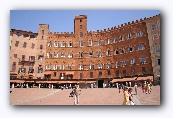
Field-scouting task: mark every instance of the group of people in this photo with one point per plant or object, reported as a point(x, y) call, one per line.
point(76, 93)
point(128, 96)
point(147, 87)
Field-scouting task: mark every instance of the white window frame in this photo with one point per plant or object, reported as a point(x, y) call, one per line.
point(63, 44)
point(122, 38)
point(139, 34)
point(108, 53)
point(100, 66)
point(115, 40)
point(141, 47)
point(129, 49)
point(92, 54)
point(81, 53)
point(99, 53)
point(99, 42)
point(49, 44)
point(69, 67)
point(70, 55)
point(62, 67)
point(155, 35)
point(70, 43)
point(90, 43)
point(48, 67)
point(91, 66)
point(115, 52)
point(63, 54)
point(48, 54)
point(129, 36)
point(55, 54)
point(143, 60)
point(62, 75)
point(132, 61)
point(81, 67)
point(124, 63)
point(55, 44)
point(157, 47)
point(55, 67)
point(107, 41)
point(109, 65)
point(81, 43)
point(117, 64)
point(155, 27)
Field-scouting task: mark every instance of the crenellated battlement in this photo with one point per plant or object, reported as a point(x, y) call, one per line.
point(24, 33)
point(151, 18)
point(62, 34)
point(119, 27)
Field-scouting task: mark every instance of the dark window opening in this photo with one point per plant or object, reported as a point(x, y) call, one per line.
point(14, 66)
point(80, 75)
point(25, 35)
point(31, 70)
point(116, 52)
point(124, 72)
point(33, 45)
point(42, 32)
point(40, 69)
point(54, 74)
point(41, 47)
point(81, 35)
point(15, 55)
point(17, 43)
point(133, 71)
point(24, 44)
point(32, 58)
point(80, 26)
point(143, 70)
point(117, 73)
point(154, 27)
point(18, 34)
point(23, 57)
point(100, 73)
point(158, 61)
point(91, 74)
point(32, 36)
point(80, 20)
point(109, 72)
point(130, 49)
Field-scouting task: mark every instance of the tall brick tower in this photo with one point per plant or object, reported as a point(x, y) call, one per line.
point(80, 26)
point(43, 32)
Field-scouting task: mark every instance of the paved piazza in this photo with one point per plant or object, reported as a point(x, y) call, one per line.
point(96, 96)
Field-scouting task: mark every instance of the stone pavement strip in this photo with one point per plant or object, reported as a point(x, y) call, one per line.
point(96, 96)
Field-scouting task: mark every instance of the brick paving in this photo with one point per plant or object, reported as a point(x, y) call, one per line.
point(96, 96)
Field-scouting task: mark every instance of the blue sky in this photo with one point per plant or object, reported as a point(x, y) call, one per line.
point(63, 20)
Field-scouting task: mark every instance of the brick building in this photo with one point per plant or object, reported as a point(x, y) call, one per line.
point(117, 54)
point(153, 30)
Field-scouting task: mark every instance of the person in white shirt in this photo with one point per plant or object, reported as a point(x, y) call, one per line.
point(136, 88)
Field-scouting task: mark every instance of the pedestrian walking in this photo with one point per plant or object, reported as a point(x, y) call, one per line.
point(148, 88)
point(136, 88)
point(122, 86)
point(77, 92)
point(126, 97)
point(143, 87)
point(130, 90)
point(119, 87)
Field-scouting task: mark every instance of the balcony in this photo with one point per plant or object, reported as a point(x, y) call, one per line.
point(26, 60)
